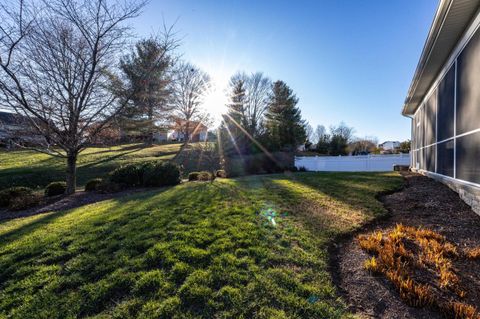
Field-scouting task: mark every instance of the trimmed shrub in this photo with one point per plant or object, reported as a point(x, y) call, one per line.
point(7, 195)
point(221, 173)
point(193, 176)
point(25, 201)
point(129, 175)
point(205, 176)
point(92, 185)
point(200, 176)
point(109, 187)
point(55, 188)
point(161, 174)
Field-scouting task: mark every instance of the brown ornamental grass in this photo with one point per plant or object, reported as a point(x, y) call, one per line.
point(420, 264)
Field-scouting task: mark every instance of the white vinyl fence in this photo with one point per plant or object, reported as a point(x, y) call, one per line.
point(361, 163)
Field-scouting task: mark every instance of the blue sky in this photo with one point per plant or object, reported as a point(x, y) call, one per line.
point(347, 60)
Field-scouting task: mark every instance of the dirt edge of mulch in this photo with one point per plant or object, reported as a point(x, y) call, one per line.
point(369, 296)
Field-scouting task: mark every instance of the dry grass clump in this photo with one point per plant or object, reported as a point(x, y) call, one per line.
point(419, 262)
point(472, 253)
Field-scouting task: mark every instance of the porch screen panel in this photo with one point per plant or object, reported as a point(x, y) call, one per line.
point(430, 119)
point(468, 157)
point(419, 128)
point(416, 131)
point(421, 158)
point(445, 158)
point(468, 86)
point(430, 158)
point(446, 105)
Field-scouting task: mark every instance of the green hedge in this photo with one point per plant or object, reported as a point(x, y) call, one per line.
point(147, 174)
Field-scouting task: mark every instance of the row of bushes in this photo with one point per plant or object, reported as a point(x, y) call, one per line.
point(17, 198)
point(152, 174)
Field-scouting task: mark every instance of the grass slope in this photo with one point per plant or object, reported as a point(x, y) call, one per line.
point(30, 168)
point(198, 250)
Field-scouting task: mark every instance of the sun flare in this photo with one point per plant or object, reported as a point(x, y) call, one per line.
point(216, 99)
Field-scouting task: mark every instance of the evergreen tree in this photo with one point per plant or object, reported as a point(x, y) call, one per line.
point(233, 138)
point(146, 70)
point(285, 129)
point(340, 136)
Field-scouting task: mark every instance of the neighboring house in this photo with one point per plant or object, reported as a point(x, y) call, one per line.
point(389, 145)
point(196, 132)
point(16, 128)
point(444, 100)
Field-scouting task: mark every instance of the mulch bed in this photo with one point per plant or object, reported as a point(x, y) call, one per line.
point(59, 203)
point(423, 202)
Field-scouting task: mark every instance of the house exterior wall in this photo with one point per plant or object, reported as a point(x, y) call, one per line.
point(174, 135)
point(390, 145)
point(446, 126)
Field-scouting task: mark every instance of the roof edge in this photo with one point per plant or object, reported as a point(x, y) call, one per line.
point(435, 28)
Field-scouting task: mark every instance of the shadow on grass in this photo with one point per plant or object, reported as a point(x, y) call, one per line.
point(50, 217)
point(327, 203)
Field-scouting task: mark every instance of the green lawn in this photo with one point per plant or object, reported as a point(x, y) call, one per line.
point(197, 250)
point(30, 168)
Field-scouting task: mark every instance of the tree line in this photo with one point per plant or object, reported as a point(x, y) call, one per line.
point(262, 115)
point(63, 66)
point(67, 66)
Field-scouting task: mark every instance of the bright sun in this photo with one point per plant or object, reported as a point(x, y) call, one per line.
point(216, 100)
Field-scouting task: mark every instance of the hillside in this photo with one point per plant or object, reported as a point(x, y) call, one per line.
point(197, 250)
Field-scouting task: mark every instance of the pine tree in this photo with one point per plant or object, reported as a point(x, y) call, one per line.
point(146, 70)
point(285, 129)
point(233, 139)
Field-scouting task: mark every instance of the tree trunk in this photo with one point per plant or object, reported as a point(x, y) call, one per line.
point(187, 132)
point(71, 172)
point(151, 126)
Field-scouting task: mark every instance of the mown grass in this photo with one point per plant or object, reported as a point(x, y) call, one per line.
point(33, 169)
point(197, 250)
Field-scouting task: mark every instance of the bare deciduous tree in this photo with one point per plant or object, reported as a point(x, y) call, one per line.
point(309, 132)
point(190, 87)
point(257, 90)
point(57, 66)
point(319, 133)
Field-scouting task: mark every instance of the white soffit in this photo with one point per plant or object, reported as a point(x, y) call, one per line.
point(450, 23)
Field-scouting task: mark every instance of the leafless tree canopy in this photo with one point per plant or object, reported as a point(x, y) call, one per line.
point(190, 87)
point(257, 90)
point(57, 67)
